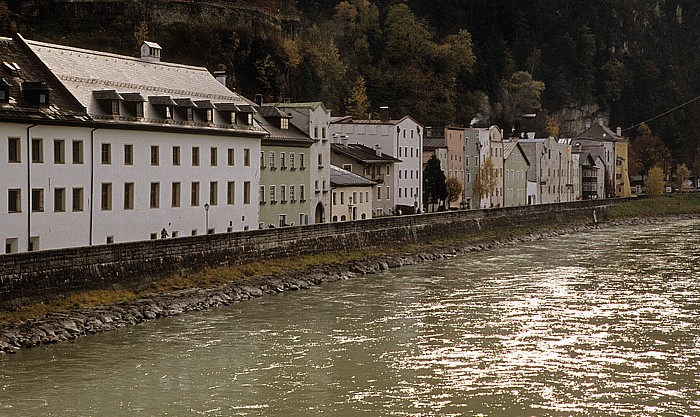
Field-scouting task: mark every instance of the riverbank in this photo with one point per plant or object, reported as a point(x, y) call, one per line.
point(89, 313)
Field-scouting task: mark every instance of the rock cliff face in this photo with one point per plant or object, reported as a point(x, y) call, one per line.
point(573, 118)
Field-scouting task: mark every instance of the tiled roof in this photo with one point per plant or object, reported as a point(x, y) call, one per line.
point(350, 120)
point(83, 71)
point(434, 142)
point(362, 153)
point(291, 136)
point(600, 133)
point(30, 73)
point(274, 112)
point(341, 177)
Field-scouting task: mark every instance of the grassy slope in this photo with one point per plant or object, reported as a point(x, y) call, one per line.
point(671, 205)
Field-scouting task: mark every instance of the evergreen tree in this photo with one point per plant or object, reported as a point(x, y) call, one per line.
point(434, 187)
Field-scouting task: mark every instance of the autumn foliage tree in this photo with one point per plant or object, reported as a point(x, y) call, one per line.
point(647, 151)
point(454, 190)
point(486, 179)
point(655, 182)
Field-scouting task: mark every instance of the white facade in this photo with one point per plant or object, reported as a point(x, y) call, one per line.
point(155, 150)
point(401, 139)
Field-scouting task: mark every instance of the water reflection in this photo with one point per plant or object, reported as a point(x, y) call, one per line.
point(601, 323)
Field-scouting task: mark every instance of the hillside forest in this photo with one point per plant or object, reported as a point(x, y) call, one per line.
point(444, 62)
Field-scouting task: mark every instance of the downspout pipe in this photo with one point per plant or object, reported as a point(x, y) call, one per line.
point(92, 180)
point(29, 188)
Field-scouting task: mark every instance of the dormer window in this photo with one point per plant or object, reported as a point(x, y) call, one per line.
point(163, 105)
point(4, 91)
point(247, 114)
point(133, 102)
point(108, 101)
point(37, 92)
point(229, 112)
point(204, 111)
point(185, 109)
point(284, 123)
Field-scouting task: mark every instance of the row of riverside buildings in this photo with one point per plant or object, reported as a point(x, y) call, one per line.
point(102, 148)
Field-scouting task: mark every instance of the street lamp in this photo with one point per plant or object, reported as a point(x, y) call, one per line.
point(206, 218)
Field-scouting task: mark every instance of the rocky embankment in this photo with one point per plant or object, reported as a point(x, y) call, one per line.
point(59, 327)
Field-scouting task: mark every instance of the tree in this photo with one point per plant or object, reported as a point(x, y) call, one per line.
point(454, 189)
point(680, 176)
point(486, 178)
point(655, 182)
point(646, 151)
point(520, 95)
point(357, 103)
point(434, 188)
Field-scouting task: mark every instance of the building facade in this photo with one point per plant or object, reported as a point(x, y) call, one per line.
point(351, 196)
point(399, 138)
point(123, 149)
point(515, 165)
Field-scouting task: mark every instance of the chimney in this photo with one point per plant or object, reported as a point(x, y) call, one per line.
point(531, 135)
point(220, 76)
point(619, 131)
point(150, 51)
point(344, 140)
point(259, 99)
point(600, 121)
point(378, 149)
point(588, 124)
point(384, 113)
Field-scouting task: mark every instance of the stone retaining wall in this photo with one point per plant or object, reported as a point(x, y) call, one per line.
point(43, 275)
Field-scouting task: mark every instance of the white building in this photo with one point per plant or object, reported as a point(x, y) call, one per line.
point(401, 139)
point(351, 195)
point(152, 148)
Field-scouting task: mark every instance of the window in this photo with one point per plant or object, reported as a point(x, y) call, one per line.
point(213, 157)
point(342, 197)
point(128, 154)
point(59, 151)
point(155, 155)
point(335, 198)
point(316, 186)
point(292, 197)
point(231, 192)
point(283, 193)
point(14, 150)
point(38, 199)
point(302, 192)
point(175, 195)
point(37, 151)
point(77, 151)
point(347, 167)
point(77, 199)
point(194, 194)
point(246, 157)
point(261, 195)
point(155, 195)
point(283, 160)
point(129, 196)
point(246, 192)
point(176, 156)
point(284, 123)
point(316, 132)
point(273, 194)
point(213, 193)
point(379, 193)
point(262, 159)
point(231, 157)
point(291, 160)
point(283, 220)
point(106, 154)
point(320, 160)
point(323, 132)
point(301, 161)
point(195, 156)
point(325, 190)
point(14, 201)
point(399, 174)
point(106, 196)
point(272, 160)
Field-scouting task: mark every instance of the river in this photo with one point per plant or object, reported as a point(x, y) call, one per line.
point(605, 322)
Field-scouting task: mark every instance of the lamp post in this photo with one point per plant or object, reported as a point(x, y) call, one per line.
point(206, 218)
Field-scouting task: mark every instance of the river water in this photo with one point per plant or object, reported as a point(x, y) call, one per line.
point(600, 323)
